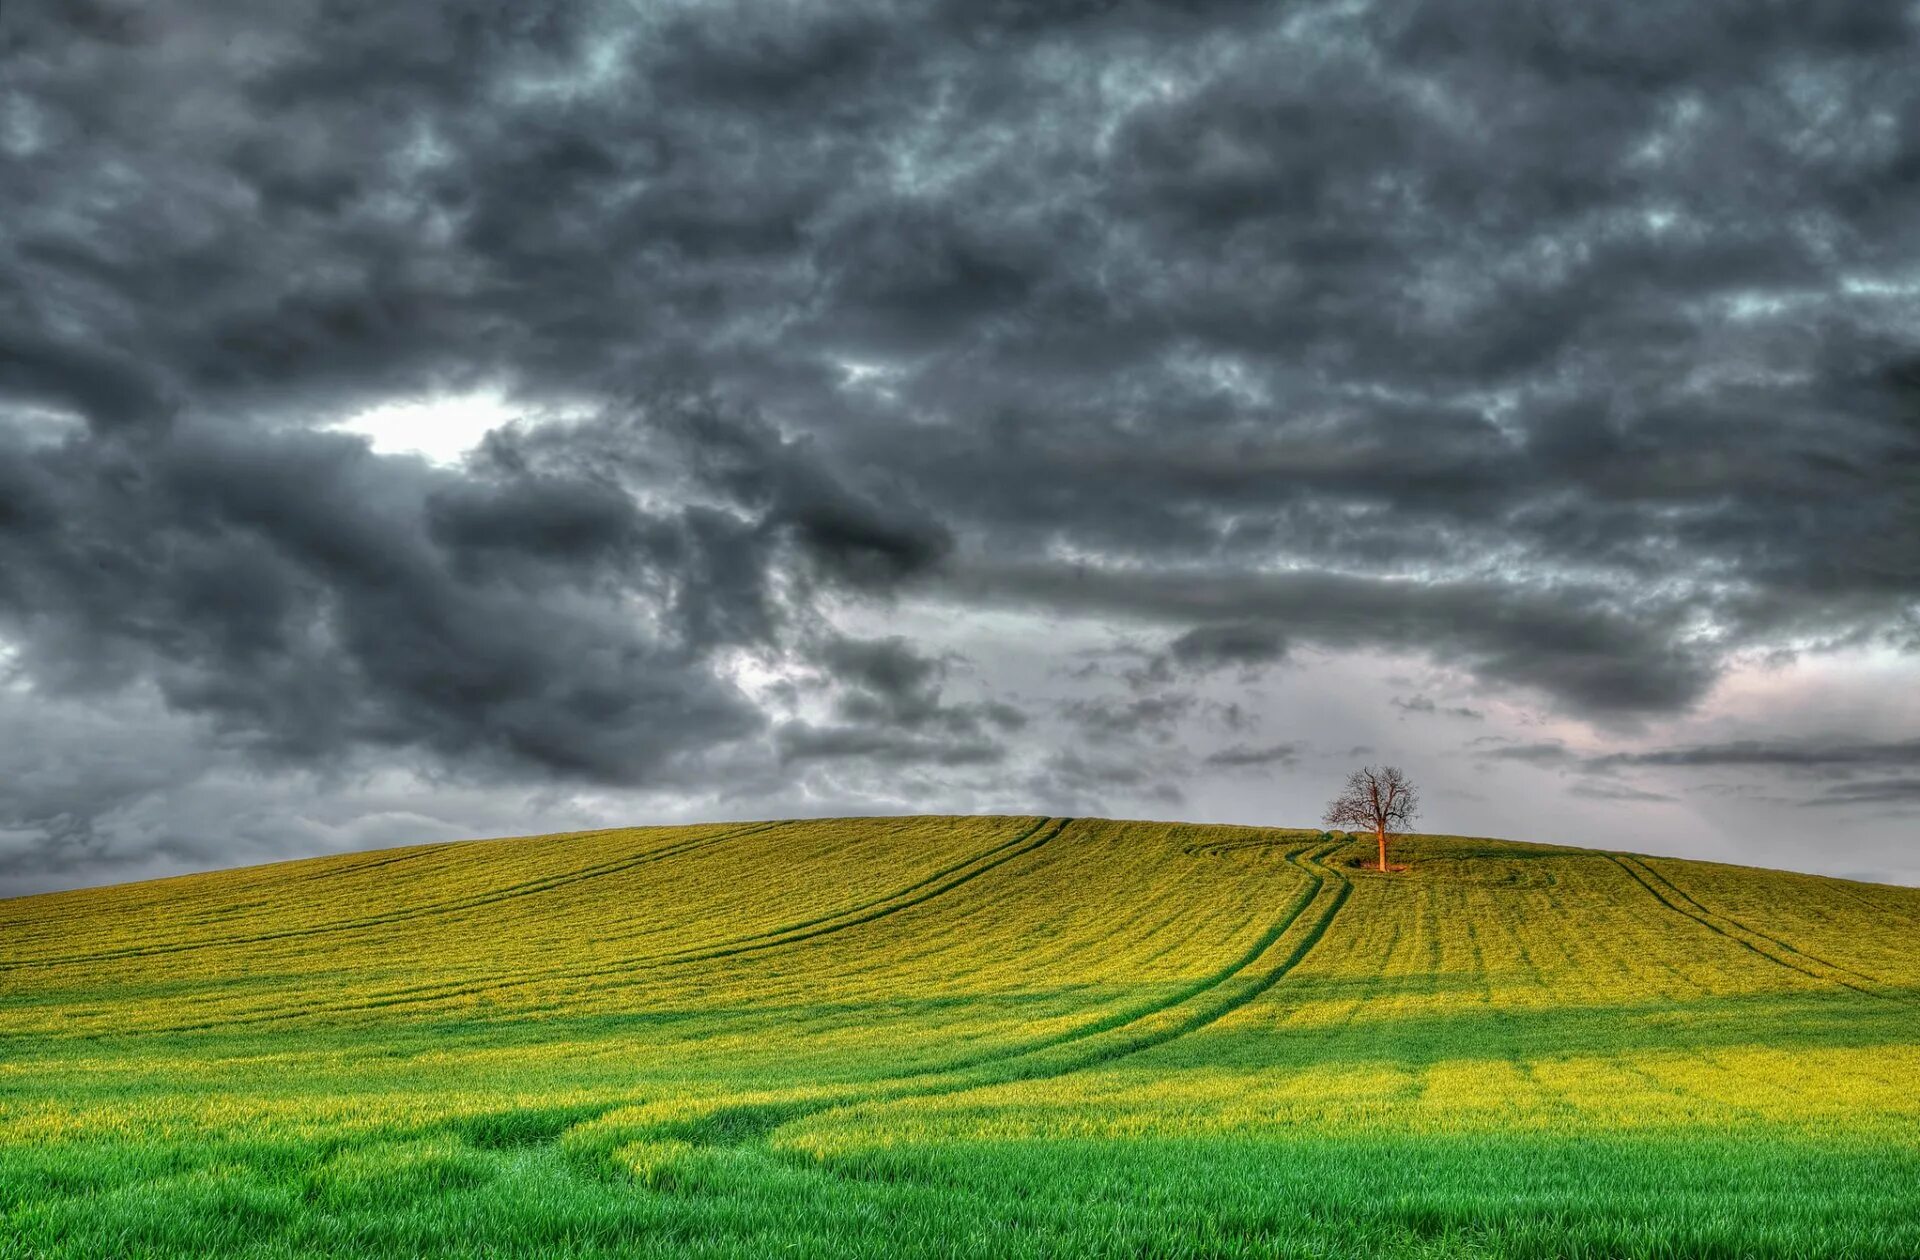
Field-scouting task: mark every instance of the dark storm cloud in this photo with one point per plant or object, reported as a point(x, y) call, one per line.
point(1591, 648)
point(1540, 753)
point(1106, 720)
point(1839, 756)
point(1572, 349)
point(1078, 783)
point(1895, 792)
point(1802, 759)
point(889, 708)
point(310, 596)
point(1604, 776)
point(1831, 756)
point(1218, 646)
point(1245, 756)
point(800, 742)
point(1426, 704)
point(1615, 792)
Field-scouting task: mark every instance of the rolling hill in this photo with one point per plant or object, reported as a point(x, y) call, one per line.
point(1016, 1036)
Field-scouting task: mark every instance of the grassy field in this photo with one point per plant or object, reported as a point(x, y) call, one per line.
point(960, 1036)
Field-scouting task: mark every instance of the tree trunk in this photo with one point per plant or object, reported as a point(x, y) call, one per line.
point(1382, 833)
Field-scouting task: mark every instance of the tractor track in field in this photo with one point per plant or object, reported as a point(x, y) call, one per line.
point(972, 868)
point(1304, 923)
point(1880, 910)
point(1118, 1022)
point(1677, 900)
point(733, 1123)
point(965, 871)
point(1705, 909)
point(413, 852)
point(1135, 1014)
point(1214, 1012)
point(879, 907)
point(961, 873)
point(1221, 848)
point(936, 876)
point(203, 915)
point(453, 906)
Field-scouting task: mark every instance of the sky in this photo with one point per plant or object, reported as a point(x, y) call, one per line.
point(426, 421)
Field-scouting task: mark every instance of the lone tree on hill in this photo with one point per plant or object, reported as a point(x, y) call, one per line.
point(1380, 800)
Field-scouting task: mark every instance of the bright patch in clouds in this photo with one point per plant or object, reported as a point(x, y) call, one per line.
point(43, 426)
point(441, 428)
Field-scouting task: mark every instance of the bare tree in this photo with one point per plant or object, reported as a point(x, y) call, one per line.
point(1380, 800)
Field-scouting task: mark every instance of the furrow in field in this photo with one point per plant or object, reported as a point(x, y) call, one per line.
point(900, 899)
point(452, 906)
point(1097, 944)
point(1723, 917)
point(1881, 910)
point(1204, 1003)
point(1069, 945)
point(722, 903)
point(1136, 1013)
point(1139, 1027)
point(1335, 886)
point(904, 899)
point(1200, 1005)
point(894, 895)
point(934, 886)
point(918, 893)
point(1765, 946)
point(224, 900)
point(412, 853)
point(328, 876)
point(418, 995)
point(1029, 841)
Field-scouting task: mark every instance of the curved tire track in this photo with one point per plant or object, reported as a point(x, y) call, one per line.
point(970, 872)
point(1034, 1062)
point(1320, 879)
point(1710, 912)
point(405, 914)
point(1773, 950)
point(423, 994)
point(427, 993)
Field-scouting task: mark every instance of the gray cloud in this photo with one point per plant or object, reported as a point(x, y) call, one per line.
point(1803, 759)
point(1574, 644)
point(1106, 720)
point(1538, 753)
point(801, 742)
point(890, 709)
point(1218, 646)
point(1081, 782)
point(1426, 704)
point(1573, 355)
point(309, 596)
point(1896, 792)
point(1247, 756)
point(1615, 792)
point(1804, 754)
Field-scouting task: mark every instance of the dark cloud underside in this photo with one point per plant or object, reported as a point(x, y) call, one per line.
point(1570, 348)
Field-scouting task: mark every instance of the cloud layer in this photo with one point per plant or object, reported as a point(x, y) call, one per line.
point(872, 358)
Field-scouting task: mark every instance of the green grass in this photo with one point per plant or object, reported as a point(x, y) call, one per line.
point(959, 1036)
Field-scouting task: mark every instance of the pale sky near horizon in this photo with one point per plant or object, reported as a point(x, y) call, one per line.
point(468, 420)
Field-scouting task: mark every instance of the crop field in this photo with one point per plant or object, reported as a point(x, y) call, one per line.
point(963, 1036)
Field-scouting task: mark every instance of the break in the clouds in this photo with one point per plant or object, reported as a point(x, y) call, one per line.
point(475, 417)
